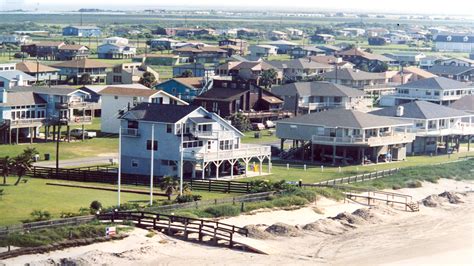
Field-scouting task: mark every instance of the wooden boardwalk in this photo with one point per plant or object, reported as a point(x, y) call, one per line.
point(387, 197)
point(189, 229)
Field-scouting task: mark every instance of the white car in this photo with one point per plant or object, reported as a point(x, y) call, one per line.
point(78, 133)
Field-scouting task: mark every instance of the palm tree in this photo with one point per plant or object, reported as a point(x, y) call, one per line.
point(6, 167)
point(267, 77)
point(148, 79)
point(23, 163)
point(168, 185)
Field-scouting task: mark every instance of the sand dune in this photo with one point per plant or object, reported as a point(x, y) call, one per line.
point(386, 236)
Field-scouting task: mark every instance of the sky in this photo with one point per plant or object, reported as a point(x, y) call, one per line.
point(439, 7)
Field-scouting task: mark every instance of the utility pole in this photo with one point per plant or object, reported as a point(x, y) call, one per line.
point(57, 146)
point(119, 183)
point(181, 160)
point(152, 162)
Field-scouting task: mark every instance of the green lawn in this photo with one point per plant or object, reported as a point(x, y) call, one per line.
point(265, 137)
point(314, 174)
point(19, 201)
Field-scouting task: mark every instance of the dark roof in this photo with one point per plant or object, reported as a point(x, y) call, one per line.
point(466, 103)
point(361, 53)
point(53, 90)
point(201, 120)
point(421, 110)
point(345, 119)
point(18, 98)
point(300, 63)
point(437, 83)
point(164, 113)
point(449, 70)
point(353, 74)
point(316, 88)
point(455, 37)
point(222, 94)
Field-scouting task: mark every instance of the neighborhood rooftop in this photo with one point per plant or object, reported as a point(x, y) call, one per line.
point(421, 110)
point(162, 113)
point(436, 83)
point(318, 88)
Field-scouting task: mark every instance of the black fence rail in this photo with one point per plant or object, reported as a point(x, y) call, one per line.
point(205, 203)
point(18, 228)
point(219, 185)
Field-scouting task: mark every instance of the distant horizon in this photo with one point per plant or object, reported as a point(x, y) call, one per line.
point(455, 8)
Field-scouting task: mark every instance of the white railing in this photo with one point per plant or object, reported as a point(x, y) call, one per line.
point(221, 134)
point(29, 121)
point(385, 139)
point(244, 151)
point(463, 128)
point(312, 106)
point(130, 132)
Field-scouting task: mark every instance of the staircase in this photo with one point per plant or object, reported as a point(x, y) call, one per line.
point(294, 153)
point(414, 207)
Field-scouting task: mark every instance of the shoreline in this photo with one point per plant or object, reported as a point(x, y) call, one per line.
point(439, 235)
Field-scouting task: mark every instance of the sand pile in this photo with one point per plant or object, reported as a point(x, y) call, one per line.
point(256, 231)
point(281, 229)
point(326, 226)
point(441, 199)
point(349, 219)
point(368, 215)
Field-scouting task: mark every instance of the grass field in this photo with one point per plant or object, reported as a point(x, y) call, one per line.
point(265, 137)
point(19, 201)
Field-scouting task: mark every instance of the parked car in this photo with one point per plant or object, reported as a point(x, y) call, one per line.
point(78, 133)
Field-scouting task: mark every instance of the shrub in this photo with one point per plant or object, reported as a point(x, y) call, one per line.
point(287, 201)
point(39, 215)
point(414, 184)
point(95, 206)
point(187, 198)
point(396, 187)
point(306, 194)
point(223, 210)
point(187, 214)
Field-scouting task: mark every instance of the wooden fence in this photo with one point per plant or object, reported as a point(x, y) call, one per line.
point(219, 185)
point(45, 224)
point(355, 178)
point(205, 203)
point(173, 225)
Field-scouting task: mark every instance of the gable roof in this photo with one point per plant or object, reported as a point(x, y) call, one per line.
point(438, 83)
point(418, 71)
point(19, 98)
point(343, 118)
point(13, 74)
point(449, 70)
point(53, 90)
point(299, 63)
point(162, 113)
point(421, 110)
point(190, 82)
point(81, 63)
point(33, 67)
point(353, 74)
point(72, 47)
point(222, 94)
point(364, 54)
point(316, 88)
point(466, 103)
point(124, 91)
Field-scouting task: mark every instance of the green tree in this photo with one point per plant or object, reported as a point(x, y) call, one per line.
point(169, 185)
point(85, 79)
point(267, 77)
point(23, 163)
point(240, 121)
point(6, 167)
point(148, 79)
point(187, 73)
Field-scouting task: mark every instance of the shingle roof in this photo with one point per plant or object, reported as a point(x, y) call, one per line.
point(19, 98)
point(343, 118)
point(449, 70)
point(466, 103)
point(455, 37)
point(421, 110)
point(33, 67)
point(438, 83)
point(13, 74)
point(72, 47)
point(300, 63)
point(191, 82)
point(164, 113)
point(121, 91)
point(316, 88)
point(418, 71)
point(53, 90)
point(364, 54)
point(81, 63)
point(353, 74)
point(221, 94)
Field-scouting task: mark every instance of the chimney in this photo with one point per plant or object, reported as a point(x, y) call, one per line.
point(19, 79)
point(400, 111)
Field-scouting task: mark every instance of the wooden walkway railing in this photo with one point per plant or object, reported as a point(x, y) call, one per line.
point(178, 225)
point(356, 178)
point(387, 197)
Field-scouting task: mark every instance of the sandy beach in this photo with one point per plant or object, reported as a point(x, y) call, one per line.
point(441, 235)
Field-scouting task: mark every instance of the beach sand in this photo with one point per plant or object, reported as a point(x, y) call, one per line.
point(443, 235)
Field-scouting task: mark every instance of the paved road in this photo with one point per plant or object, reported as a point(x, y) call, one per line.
point(89, 161)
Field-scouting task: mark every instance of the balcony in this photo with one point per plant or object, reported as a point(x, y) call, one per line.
point(27, 122)
point(388, 139)
point(75, 105)
point(130, 132)
point(77, 120)
point(245, 151)
point(463, 128)
point(212, 134)
point(314, 106)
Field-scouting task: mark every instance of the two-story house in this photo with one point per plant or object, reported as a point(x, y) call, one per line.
point(82, 31)
point(129, 73)
point(250, 71)
point(433, 124)
point(42, 50)
point(373, 83)
point(204, 54)
point(49, 107)
point(300, 68)
point(163, 43)
point(305, 51)
point(117, 100)
point(12, 78)
point(359, 57)
point(262, 50)
point(73, 70)
point(438, 90)
point(240, 44)
point(72, 52)
point(346, 137)
point(178, 139)
point(185, 88)
point(283, 46)
point(318, 96)
point(42, 73)
point(116, 51)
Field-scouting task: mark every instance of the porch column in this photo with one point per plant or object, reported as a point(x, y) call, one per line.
point(469, 142)
point(363, 156)
point(68, 128)
point(203, 167)
point(31, 135)
point(193, 176)
point(83, 135)
point(17, 135)
point(282, 144)
point(269, 164)
point(334, 154)
point(312, 152)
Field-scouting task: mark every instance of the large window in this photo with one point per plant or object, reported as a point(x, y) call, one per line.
point(169, 128)
point(155, 145)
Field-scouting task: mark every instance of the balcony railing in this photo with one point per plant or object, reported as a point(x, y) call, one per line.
point(221, 134)
point(29, 121)
point(244, 151)
point(85, 105)
point(370, 141)
point(77, 120)
point(313, 106)
point(130, 132)
point(463, 128)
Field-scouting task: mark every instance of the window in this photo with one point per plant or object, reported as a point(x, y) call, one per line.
point(116, 97)
point(215, 106)
point(134, 163)
point(117, 79)
point(155, 145)
point(209, 145)
point(133, 124)
point(169, 128)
